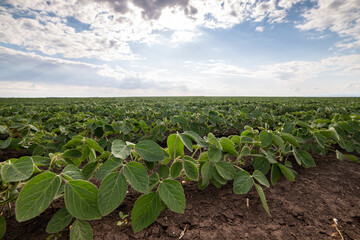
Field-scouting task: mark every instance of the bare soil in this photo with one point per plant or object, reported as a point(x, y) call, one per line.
point(303, 209)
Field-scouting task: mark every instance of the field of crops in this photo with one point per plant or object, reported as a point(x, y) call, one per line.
point(90, 152)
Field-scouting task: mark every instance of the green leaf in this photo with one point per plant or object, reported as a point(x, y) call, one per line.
point(89, 170)
point(175, 169)
point(41, 161)
point(352, 158)
point(339, 155)
point(153, 181)
point(212, 140)
point(59, 221)
point(290, 139)
point(120, 150)
point(19, 170)
point(262, 198)
point(304, 158)
point(245, 151)
point(172, 193)
point(286, 172)
point(226, 170)
point(110, 165)
point(278, 141)
point(72, 154)
point(275, 174)
point(4, 144)
point(191, 170)
point(200, 141)
point(81, 230)
point(149, 151)
point(2, 226)
point(261, 164)
point(320, 139)
point(137, 175)
point(175, 145)
point(40, 192)
point(214, 154)
point(243, 182)
point(261, 178)
point(228, 146)
point(265, 138)
point(206, 172)
point(146, 210)
point(72, 172)
point(164, 171)
point(112, 192)
point(81, 200)
point(186, 141)
point(94, 145)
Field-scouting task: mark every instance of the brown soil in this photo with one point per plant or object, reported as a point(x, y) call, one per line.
point(303, 209)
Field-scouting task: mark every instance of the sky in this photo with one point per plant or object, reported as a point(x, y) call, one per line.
point(120, 48)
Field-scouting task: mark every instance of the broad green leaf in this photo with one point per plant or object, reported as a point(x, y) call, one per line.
point(261, 178)
point(320, 139)
point(164, 171)
point(59, 221)
point(81, 199)
point(41, 161)
point(137, 175)
point(4, 144)
point(191, 170)
point(206, 172)
point(72, 172)
point(304, 158)
point(200, 141)
point(217, 177)
point(352, 158)
point(275, 174)
point(265, 138)
point(2, 226)
point(289, 127)
point(110, 165)
point(228, 146)
point(175, 169)
point(19, 170)
point(153, 181)
point(243, 182)
point(278, 141)
point(212, 140)
point(226, 170)
point(72, 154)
point(186, 141)
point(94, 145)
point(175, 146)
point(262, 198)
point(290, 139)
point(40, 192)
point(81, 230)
point(286, 172)
point(172, 193)
point(149, 151)
point(89, 170)
point(112, 192)
point(261, 164)
point(214, 154)
point(245, 151)
point(120, 150)
point(146, 210)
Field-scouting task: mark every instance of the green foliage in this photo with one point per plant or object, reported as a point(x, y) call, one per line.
point(146, 144)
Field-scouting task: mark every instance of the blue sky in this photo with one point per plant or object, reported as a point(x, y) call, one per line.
point(179, 48)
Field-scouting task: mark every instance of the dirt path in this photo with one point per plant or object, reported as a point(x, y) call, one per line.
point(303, 209)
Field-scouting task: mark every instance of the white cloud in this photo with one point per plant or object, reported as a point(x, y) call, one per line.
point(339, 16)
point(287, 72)
point(259, 29)
point(110, 25)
